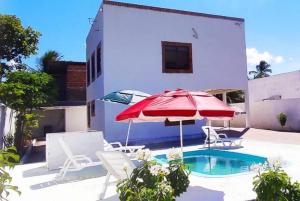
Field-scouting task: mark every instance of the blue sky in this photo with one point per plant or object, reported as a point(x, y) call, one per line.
point(272, 26)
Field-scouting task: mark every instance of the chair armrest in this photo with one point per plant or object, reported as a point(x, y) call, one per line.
point(116, 143)
point(82, 157)
point(223, 135)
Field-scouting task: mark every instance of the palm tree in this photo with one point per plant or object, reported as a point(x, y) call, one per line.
point(262, 70)
point(49, 57)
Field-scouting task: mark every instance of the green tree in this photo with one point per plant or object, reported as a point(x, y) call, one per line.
point(25, 92)
point(49, 58)
point(262, 70)
point(16, 43)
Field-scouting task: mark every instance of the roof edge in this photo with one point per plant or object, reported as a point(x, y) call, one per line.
point(168, 10)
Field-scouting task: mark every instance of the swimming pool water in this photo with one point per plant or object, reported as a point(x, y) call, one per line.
point(216, 162)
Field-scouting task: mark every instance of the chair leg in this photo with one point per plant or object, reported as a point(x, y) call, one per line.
point(103, 191)
point(64, 169)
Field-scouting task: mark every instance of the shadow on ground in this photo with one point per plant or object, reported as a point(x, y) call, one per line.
point(196, 193)
point(86, 173)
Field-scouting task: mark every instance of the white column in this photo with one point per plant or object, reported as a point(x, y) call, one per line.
point(247, 109)
point(181, 138)
point(224, 97)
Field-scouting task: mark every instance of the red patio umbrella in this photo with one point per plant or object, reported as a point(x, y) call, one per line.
point(178, 105)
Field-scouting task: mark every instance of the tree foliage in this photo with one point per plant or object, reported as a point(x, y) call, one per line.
point(8, 159)
point(236, 97)
point(263, 69)
point(25, 92)
point(48, 58)
point(16, 42)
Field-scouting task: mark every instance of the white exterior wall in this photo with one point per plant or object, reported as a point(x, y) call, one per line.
point(96, 89)
point(7, 122)
point(263, 113)
point(76, 118)
point(133, 60)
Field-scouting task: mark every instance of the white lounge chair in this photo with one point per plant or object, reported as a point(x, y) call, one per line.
point(115, 163)
point(73, 162)
point(219, 137)
point(117, 146)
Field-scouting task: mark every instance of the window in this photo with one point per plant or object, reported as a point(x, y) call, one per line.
point(177, 57)
point(176, 123)
point(88, 73)
point(93, 66)
point(99, 60)
point(93, 108)
point(89, 114)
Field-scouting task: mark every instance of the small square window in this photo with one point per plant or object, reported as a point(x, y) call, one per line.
point(177, 57)
point(177, 123)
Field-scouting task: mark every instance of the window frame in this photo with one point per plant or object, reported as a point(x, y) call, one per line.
point(93, 108)
point(88, 114)
point(165, 69)
point(99, 60)
point(177, 123)
point(93, 71)
point(88, 71)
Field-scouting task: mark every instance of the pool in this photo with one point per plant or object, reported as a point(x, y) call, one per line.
point(213, 162)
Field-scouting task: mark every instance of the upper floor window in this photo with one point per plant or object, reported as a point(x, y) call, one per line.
point(99, 60)
point(93, 66)
point(88, 72)
point(177, 57)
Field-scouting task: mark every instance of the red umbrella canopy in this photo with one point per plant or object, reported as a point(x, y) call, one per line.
point(177, 105)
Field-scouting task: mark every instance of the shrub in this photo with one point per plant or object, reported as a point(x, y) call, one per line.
point(153, 181)
point(8, 159)
point(282, 118)
point(273, 184)
point(8, 140)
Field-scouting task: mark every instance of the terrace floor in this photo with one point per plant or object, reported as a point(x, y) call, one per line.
point(36, 182)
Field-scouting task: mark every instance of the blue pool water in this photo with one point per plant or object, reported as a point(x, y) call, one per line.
point(217, 163)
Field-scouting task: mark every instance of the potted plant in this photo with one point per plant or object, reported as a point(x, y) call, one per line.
point(282, 118)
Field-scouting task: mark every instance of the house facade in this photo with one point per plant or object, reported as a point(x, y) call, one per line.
point(154, 49)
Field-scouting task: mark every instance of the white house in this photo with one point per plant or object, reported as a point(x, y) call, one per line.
point(151, 49)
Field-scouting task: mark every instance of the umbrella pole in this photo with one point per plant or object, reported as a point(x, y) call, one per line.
point(181, 140)
point(128, 132)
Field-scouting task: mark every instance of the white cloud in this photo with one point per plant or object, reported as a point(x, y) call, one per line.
point(254, 57)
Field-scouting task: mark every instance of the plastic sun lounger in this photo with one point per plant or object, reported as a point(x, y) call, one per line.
point(73, 162)
point(220, 137)
point(117, 164)
point(117, 146)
